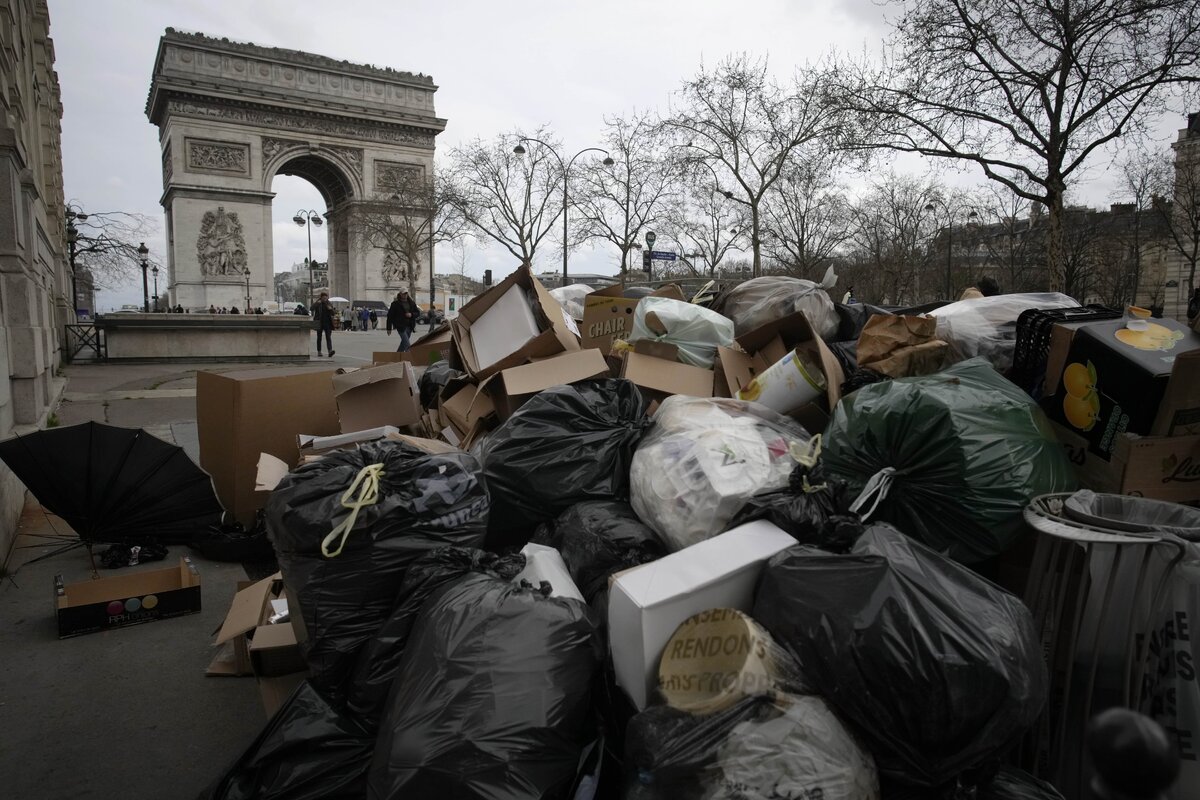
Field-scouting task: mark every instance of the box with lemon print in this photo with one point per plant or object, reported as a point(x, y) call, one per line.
point(1127, 376)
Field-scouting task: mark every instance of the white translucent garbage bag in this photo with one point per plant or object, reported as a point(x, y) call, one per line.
point(695, 330)
point(761, 300)
point(571, 299)
point(704, 459)
point(987, 326)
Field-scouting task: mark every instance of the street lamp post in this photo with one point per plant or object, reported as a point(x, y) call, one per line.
point(143, 252)
point(949, 240)
point(154, 271)
point(306, 219)
point(566, 169)
point(247, 273)
point(72, 243)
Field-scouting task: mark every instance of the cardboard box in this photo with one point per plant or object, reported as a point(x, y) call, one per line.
point(763, 347)
point(249, 611)
point(429, 349)
point(647, 603)
point(276, 690)
point(496, 322)
point(377, 396)
point(244, 413)
point(1158, 467)
point(131, 599)
point(274, 651)
point(661, 378)
point(465, 408)
point(1117, 380)
point(510, 388)
point(608, 315)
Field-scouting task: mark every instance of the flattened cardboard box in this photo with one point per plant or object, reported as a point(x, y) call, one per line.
point(662, 378)
point(123, 600)
point(376, 396)
point(556, 328)
point(510, 388)
point(608, 314)
point(244, 413)
point(1158, 467)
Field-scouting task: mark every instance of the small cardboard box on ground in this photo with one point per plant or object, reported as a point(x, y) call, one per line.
point(429, 349)
point(376, 396)
point(132, 599)
point(514, 321)
point(510, 388)
point(652, 366)
point(647, 603)
point(246, 412)
point(768, 344)
point(608, 315)
point(467, 413)
point(1158, 467)
point(250, 609)
point(1122, 376)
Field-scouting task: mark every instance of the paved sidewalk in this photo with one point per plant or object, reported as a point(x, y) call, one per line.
point(125, 714)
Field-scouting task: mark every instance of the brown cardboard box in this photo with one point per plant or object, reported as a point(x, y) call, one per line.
point(123, 600)
point(510, 388)
point(661, 378)
point(429, 349)
point(376, 396)
point(465, 407)
point(1158, 467)
point(275, 691)
point(246, 412)
point(764, 346)
point(558, 332)
point(250, 610)
point(608, 315)
point(274, 651)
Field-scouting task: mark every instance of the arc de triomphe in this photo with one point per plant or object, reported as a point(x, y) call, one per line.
point(231, 116)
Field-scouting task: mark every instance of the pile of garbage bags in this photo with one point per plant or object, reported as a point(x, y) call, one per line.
point(862, 657)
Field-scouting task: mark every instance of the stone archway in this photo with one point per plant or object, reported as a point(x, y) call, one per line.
point(232, 116)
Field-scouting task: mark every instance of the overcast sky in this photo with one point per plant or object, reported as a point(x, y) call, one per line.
point(498, 66)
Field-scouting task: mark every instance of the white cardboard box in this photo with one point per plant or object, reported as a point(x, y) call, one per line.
point(504, 328)
point(647, 603)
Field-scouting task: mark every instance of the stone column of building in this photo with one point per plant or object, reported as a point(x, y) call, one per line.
point(34, 281)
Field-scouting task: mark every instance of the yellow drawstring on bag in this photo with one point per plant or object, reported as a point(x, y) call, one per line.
point(366, 484)
point(806, 456)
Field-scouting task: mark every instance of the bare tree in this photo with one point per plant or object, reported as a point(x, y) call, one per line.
point(513, 200)
point(618, 202)
point(1181, 216)
point(891, 258)
point(808, 219)
point(705, 226)
point(1009, 245)
point(413, 214)
point(1026, 90)
point(743, 128)
point(106, 244)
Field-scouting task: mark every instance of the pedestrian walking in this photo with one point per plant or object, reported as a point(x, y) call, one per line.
point(323, 314)
point(402, 315)
point(374, 320)
point(364, 318)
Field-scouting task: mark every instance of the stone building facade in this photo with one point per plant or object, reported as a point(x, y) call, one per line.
point(35, 285)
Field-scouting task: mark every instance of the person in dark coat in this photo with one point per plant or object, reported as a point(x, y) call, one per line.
point(402, 315)
point(322, 314)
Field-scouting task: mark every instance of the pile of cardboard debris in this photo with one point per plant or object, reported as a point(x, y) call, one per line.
point(768, 549)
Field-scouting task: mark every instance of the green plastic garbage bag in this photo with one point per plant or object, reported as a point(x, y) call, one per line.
point(950, 459)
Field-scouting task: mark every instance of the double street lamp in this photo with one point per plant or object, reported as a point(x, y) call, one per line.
point(566, 169)
point(949, 239)
point(305, 219)
point(143, 252)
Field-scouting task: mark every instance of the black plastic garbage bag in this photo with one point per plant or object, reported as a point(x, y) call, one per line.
point(433, 380)
point(852, 318)
point(494, 698)
point(814, 508)
point(770, 747)
point(424, 502)
point(939, 670)
point(308, 751)
point(379, 660)
point(597, 539)
point(1009, 783)
point(951, 459)
point(565, 445)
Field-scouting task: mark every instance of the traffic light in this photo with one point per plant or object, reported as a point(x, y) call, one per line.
point(646, 261)
point(487, 277)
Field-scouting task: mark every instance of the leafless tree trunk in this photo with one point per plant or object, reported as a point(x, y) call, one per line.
point(808, 218)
